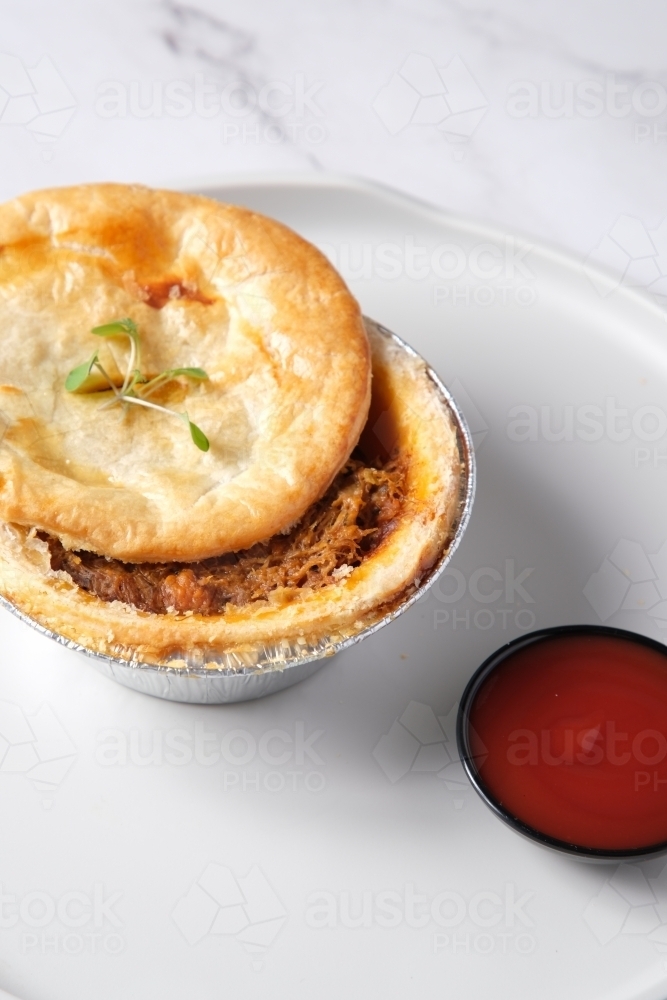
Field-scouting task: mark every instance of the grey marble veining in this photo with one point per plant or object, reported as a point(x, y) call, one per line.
point(172, 92)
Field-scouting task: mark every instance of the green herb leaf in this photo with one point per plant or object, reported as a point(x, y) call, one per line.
point(136, 378)
point(197, 435)
point(196, 373)
point(79, 375)
point(79, 379)
point(119, 328)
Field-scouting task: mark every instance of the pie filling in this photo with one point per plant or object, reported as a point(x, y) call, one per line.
point(334, 536)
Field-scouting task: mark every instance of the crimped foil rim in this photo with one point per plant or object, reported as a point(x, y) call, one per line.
point(279, 656)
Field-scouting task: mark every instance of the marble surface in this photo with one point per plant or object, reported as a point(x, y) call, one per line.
point(537, 117)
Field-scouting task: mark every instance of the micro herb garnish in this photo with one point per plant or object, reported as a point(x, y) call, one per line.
point(136, 387)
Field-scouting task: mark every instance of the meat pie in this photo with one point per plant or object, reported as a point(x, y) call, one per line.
point(285, 500)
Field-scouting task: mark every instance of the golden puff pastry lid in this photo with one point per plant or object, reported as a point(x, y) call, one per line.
point(407, 415)
point(208, 285)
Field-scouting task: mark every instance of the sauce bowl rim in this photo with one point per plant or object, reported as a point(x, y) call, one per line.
point(467, 758)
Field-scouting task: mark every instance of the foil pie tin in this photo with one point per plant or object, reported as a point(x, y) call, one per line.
point(242, 675)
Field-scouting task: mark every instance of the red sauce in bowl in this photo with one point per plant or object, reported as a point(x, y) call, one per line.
point(569, 735)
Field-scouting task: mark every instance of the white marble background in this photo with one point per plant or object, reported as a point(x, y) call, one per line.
point(534, 115)
point(539, 116)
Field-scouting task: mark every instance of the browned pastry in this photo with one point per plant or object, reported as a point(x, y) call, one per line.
point(336, 533)
point(409, 449)
point(209, 285)
point(120, 535)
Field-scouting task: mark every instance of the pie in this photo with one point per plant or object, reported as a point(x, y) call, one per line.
point(318, 505)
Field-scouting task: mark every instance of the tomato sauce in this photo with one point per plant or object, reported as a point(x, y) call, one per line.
point(569, 735)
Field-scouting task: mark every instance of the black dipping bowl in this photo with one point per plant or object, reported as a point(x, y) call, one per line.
point(468, 760)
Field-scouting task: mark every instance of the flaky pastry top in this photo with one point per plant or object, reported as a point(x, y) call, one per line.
point(208, 285)
point(409, 418)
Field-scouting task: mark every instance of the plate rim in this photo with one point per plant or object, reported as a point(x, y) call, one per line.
point(352, 183)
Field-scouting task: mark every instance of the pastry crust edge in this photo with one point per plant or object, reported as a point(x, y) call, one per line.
point(425, 435)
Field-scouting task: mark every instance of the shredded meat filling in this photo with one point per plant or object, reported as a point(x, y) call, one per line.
point(358, 511)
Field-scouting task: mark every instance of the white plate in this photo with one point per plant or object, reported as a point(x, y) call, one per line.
point(323, 842)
